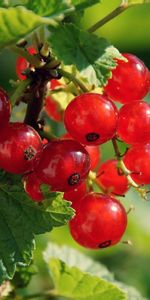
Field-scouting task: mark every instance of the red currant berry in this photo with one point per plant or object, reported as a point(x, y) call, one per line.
point(22, 64)
point(111, 178)
point(93, 151)
point(134, 123)
point(63, 165)
point(20, 147)
point(32, 187)
point(95, 155)
point(54, 83)
point(4, 108)
point(100, 221)
point(130, 80)
point(91, 119)
point(76, 194)
point(53, 110)
point(137, 160)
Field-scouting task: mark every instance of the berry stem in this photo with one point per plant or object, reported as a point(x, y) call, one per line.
point(117, 11)
point(75, 80)
point(122, 166)
point(127, 172)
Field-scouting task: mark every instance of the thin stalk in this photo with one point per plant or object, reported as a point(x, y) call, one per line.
point(75, 80)
point(127, 172)
point(117, 11)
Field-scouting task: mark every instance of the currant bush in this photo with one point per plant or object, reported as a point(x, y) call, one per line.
point(68, 80)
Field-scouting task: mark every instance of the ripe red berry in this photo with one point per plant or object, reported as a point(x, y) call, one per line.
point(93, 151)
point(111, 178)
point(100, 221)
point(64, 164)
point(32, 187)
point(130, 80)
point(20, 147)
point(137, 160)
point(22, 64)
point(4, 108)
point(91, 119)
point(134, 122)
point(95, 155)
point(76, 194)
point(53, 110)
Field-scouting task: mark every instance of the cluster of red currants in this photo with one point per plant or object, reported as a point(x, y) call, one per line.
point(91, 119)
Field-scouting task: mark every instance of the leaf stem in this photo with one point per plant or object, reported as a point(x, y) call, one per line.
point(117, 11)
point(75, 80)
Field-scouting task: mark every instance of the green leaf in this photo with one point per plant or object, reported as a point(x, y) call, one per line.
point(14, 24)
point(72, 283)
point(93, 56)
point(54, 8)
point(82, 4)
point(72, 258)
point(21, 219)
point(48, 8)
point(69, 281)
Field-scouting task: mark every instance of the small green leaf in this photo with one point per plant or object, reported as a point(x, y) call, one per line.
point(51, 8)
point(93, 56)
point(14, 24)
point(77, 285)
point(71, 282)
point(70, 258)
point(55, 8)
point(21, 219)
point(74, 258)
point(82, 4)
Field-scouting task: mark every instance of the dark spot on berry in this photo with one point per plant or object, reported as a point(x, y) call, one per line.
point(29, 153)
point(105, 244)
point(74, 179)
point(92, 136)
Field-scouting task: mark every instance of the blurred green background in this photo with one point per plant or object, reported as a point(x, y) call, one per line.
point(129, 32)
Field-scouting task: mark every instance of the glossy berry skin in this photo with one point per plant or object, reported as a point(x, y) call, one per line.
point(95, 155)
point(91, 119)
point(75, 195)
point(20, 147)
point(137, 160)
point(22, 64)
point(111, 179)
point(64, 164)
point(4, 108)
point(93, 151)
point(134, 123)
point(130, 80)
point(100, 221)
point(32, 187)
